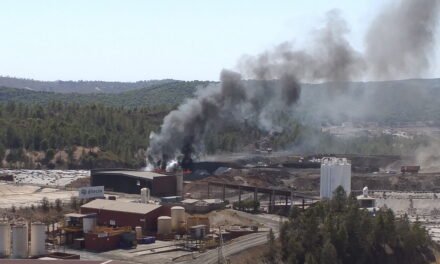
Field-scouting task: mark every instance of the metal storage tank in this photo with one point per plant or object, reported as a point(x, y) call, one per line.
point(38, 239)
point(89, 223)
point(177, 217)
point(5, 239)
point(197, 232)
point(334, 172)
point(163, 225)
point(138, 230)
point(20, 241)
point(145, 195)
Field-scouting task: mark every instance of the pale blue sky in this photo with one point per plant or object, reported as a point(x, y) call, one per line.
point(139, 40)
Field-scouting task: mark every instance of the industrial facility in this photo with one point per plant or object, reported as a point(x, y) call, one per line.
point(132, 181)
point(139, 215)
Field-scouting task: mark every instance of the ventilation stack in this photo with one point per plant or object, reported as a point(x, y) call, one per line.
point(145, 195)
point(179, 184)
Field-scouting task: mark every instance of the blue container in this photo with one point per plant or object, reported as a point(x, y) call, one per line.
point(148, 240)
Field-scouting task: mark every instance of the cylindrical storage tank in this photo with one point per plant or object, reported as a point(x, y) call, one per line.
point(145, 195)
point(5, 239)
point(163, 225)
point(19, 241)
point(38, 239)
point(138, 230)
point(89, 224)
point(177, 217)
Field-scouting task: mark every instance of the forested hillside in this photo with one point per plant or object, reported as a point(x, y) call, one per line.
point(77, 86)
point(162, 94)
point(390, 101)
point(57, 135)
point(46, 129)
point(74, 135)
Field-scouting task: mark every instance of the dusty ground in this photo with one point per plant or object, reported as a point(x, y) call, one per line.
point(26, 195)
point(228, 218)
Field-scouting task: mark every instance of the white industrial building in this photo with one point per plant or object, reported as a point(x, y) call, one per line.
point(334, 172)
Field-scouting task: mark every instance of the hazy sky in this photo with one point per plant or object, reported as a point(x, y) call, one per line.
point(141, 40)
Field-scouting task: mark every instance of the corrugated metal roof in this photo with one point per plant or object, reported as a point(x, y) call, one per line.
point(137, 174)
point(109, 205)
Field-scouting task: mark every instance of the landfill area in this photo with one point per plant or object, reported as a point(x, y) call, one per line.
point(23, 188)
point(45, 177)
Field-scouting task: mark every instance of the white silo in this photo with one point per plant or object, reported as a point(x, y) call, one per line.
point(163, 225)
point(89, 223)
point(177, 217)
point(38, 239)
point(5, 239)
point(145, 195)
point(334, 172)
point(20, 241)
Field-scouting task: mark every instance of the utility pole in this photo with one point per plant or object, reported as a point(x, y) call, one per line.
point(221, 259)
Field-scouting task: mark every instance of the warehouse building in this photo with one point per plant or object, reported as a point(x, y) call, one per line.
point(132, 181)
point(117, 213)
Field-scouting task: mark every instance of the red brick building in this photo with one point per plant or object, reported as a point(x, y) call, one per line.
point(117, 213)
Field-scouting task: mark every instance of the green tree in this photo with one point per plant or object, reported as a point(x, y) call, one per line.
point(45, 205)
point(50, 153)
point(272, 255)
point(329, 254)
point(58, 205)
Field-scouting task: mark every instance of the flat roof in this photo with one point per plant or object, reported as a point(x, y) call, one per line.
point(131, 173)
point(75, 215)
point(190, 201)
point(118, 206)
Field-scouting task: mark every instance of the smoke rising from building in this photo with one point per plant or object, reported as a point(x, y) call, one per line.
point(398, 44)
point(231, 102)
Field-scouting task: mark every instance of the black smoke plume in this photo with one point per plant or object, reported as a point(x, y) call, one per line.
point(398, 43)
